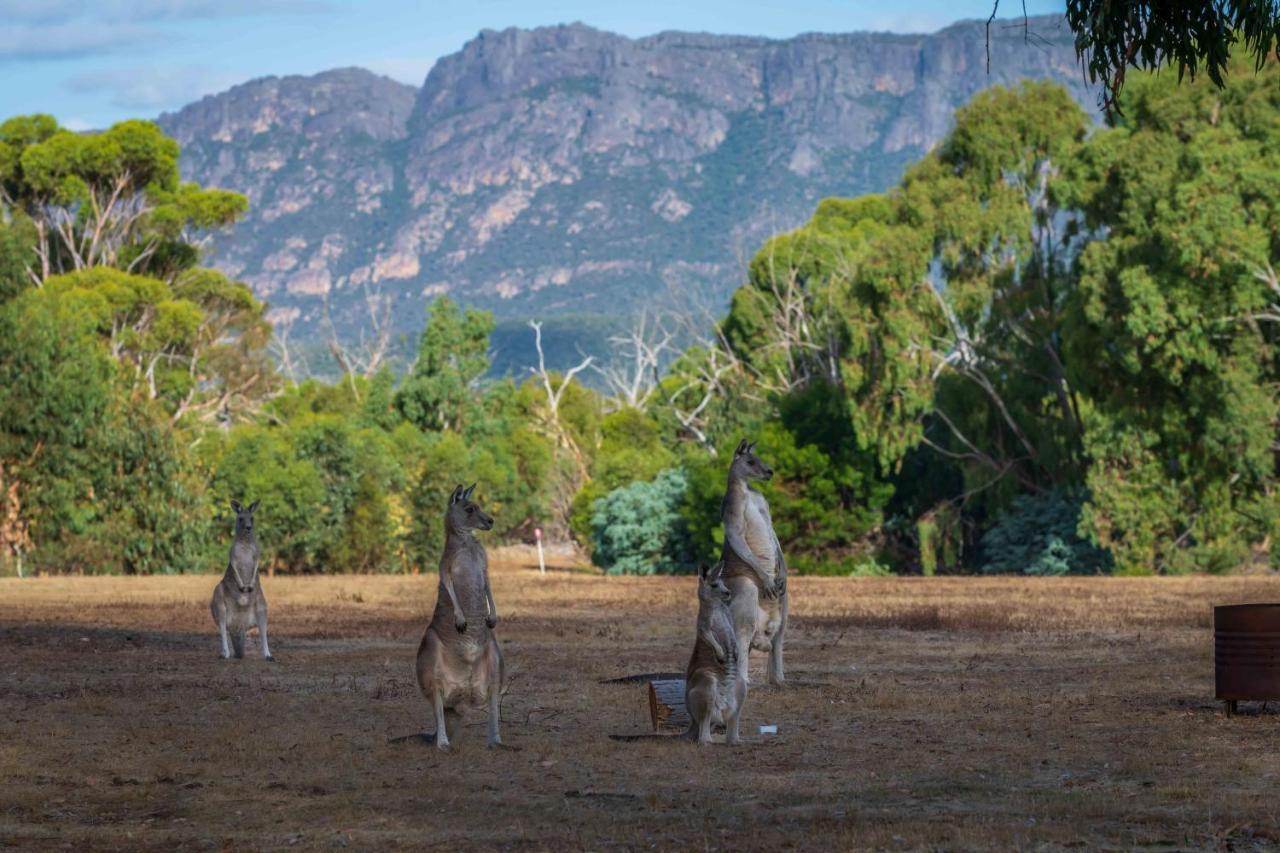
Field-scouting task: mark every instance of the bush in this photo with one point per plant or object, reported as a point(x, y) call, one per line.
point(630, 451)
point(638, 529)
point(1037, 536)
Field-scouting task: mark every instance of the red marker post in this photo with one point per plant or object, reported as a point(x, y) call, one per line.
point(542, 563)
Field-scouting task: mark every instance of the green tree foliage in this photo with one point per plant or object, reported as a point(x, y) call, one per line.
point(511, 467)
point(1003, 247)
point(55, 392)
point(638, 529)
point(1047, 314)
point(453, 354)
point(17, 249)
point(112, 198)
point(845, 300)
point(631, 450)
point(364, 545)
point(263, 464)
point(1171, 327)
point(198, 347)
point(1113, 36)
point(103, 483)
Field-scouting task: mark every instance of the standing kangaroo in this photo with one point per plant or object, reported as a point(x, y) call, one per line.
point(459, 662)
point(714, 690)
point(238, 602)
point(754, 568)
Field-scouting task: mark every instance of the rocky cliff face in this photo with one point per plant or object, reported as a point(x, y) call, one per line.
point(568, 171)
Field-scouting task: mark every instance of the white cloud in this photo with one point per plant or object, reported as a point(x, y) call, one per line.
point(67, 29)
point(69, 40)
point(151, 89)
point(53, 12)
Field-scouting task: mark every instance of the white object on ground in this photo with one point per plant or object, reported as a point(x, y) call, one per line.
point(769, 730)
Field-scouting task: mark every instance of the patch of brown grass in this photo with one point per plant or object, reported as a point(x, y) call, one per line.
point(946, 713)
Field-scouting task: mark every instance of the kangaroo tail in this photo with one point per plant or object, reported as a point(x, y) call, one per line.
point(690, 734)
point(427, 738)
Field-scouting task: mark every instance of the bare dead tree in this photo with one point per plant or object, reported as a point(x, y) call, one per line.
point(364, 357)
point(803, 333)
point(281, 350)
point(1269, 277)
point(632, 372)
point(553, 425)
point(555, 393)
point(92, 231)
point(960, 352)
point(689, 402)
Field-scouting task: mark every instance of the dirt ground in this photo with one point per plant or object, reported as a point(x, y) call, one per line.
point(947, 713)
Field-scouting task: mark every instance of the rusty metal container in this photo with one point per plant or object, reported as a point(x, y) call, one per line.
point(1246, 652)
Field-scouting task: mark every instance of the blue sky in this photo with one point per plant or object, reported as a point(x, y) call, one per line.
point(92, 63)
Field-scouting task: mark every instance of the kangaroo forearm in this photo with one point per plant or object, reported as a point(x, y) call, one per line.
point(710, 640)
point(744, 553)
point(448, 587)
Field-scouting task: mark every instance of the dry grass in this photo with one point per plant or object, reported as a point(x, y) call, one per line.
point(926, 713)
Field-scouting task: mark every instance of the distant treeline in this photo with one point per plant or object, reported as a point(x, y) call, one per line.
point(1048, 349)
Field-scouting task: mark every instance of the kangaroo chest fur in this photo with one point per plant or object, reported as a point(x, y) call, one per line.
point(750, 512)
point(718, 623)
point(241, 607)
point(470, 570)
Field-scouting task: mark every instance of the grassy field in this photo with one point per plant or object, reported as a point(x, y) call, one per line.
point(948, 713)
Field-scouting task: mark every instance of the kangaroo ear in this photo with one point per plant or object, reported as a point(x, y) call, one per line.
point(742, 448)
point(235, 506)
point(253, 507)
point(457, 494)
point(716, 571)
point(702, 569)
point(470, 489)
point(751, 447)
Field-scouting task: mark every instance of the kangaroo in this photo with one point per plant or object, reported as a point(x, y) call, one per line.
point(459, 662)
point(238, 601)
point(754, 568)
point(714, 691)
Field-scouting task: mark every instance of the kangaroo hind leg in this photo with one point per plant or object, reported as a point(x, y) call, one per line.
point(494, 675)
point(776, 676)
point(262, 633)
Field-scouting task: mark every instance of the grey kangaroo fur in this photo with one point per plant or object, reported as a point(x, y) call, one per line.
point(459, 662)
point(754, 568)
point(238, 601)
point(714, 691)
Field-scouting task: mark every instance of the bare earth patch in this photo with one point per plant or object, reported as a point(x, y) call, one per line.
point(926, 713)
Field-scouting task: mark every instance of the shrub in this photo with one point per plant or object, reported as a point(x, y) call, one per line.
point(630, 451)
point(1037, 536)
point(638, 529)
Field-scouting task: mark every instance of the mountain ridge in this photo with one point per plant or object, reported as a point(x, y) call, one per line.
point(567, 171)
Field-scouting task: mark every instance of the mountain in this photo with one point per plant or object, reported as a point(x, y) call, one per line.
point(574, 174)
